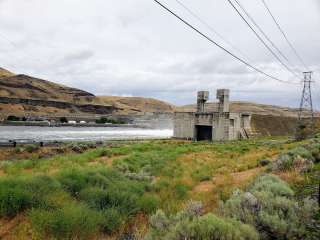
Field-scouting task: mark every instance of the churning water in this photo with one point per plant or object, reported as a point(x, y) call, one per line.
point(80, 134)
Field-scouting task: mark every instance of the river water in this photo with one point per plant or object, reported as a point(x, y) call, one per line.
point(81, 133)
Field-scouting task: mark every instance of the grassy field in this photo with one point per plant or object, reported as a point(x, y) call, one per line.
point(114, 189)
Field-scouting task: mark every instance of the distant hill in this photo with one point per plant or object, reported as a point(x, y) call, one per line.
point(5, 73)
point(248, 107)
point(23, 86)
point(138, 104)
point(25, 95)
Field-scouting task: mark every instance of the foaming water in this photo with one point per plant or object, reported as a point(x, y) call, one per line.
point(80, 134)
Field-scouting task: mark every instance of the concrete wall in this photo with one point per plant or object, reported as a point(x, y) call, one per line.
point(221, 127)
point(235, 126)
point(184, 124)
point(204, 119)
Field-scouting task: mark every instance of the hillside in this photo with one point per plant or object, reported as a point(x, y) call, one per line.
point(5, 73)
point(137, 104)
point(25, 95)
point(248, 107)
point(23, 86)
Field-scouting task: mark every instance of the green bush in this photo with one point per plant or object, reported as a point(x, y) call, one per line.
point(148, 203)
point(126, 202)
point(102, 188)
point(32, 148)
point(19, 194)
point(111, 220)
point(73, 221)
point(40, 188)
point(14, 198)
point(181, 190)
point(73, 181)
point(96, 198)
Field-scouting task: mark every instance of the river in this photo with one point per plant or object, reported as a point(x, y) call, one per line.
point(80, 134)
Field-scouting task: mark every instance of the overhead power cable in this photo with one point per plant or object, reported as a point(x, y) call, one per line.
point(221, 47)
point(263, 32)
point(261, 39)
point(195, 15)
point(284, 34)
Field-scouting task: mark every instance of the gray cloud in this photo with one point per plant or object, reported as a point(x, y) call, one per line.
point(134, 48)
point(78, 56)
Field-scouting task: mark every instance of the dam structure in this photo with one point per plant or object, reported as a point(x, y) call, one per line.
point(217, 125)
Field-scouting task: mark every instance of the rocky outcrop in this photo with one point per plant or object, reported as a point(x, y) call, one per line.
point(86, 108)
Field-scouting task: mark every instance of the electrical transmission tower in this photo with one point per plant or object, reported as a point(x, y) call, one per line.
point(306, 126)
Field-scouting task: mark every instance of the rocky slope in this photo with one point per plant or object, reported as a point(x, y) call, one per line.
point(25, 95)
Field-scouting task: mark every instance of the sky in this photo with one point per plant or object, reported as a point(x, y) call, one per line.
point(135, 48)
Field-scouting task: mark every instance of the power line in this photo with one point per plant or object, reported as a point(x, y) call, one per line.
point(262, 32)
point(211, 28)
point(284, 35)
point(218, 45)
point(260, 38)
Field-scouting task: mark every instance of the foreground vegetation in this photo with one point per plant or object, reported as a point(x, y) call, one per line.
point(112, 191)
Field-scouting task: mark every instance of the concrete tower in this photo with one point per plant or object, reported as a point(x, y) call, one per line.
point(203, 97)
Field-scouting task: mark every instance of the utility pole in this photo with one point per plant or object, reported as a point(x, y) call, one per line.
point(305, 127)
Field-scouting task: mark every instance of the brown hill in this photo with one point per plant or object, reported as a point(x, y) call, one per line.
point(26, 87)
point(138, 104)
point(5, 73)
point(249, 107)
point(26, 95)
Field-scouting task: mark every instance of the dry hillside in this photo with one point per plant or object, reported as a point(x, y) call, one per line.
point(25, 87)
point(5, 73)
point(137, 104)
point(253, 108)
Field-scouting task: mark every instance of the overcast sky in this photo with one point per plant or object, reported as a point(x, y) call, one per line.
point(135, 48)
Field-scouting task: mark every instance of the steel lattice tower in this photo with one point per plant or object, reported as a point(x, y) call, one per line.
point(306, 126)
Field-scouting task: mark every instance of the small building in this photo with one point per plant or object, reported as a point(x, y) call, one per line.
point(220, 125)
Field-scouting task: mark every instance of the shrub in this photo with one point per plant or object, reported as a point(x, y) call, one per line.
point(73, 181)
point(184, 226)
point(32, 148)
point(40, 188)
point(194, 209)
point(270, 207)
point(126, 202)
point(95, 198)
point(181, 190)
point(111, 220)
point(74, 221)
point(272, 184)
point(299, 158)
point(148, 203)
point(315, 151)
point(13, 198)
point(300, 151)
